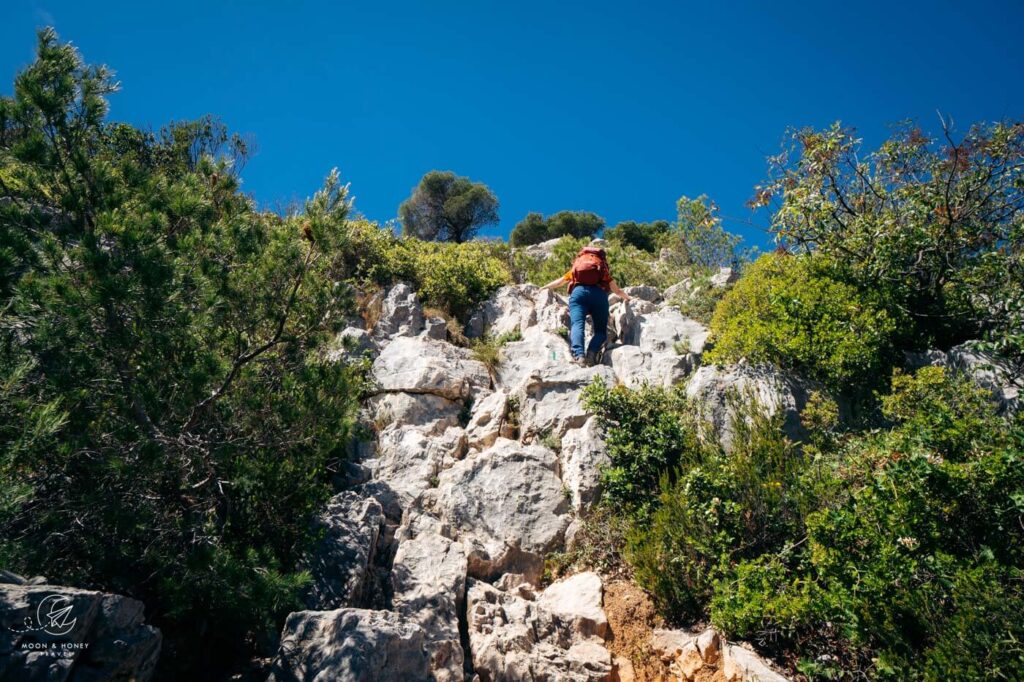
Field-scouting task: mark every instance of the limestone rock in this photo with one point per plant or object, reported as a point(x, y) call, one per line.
point(422, 365)
point(724, 277)
point(409, 460)
point(662, 330)
point(93, 636)
point(429, 586)
point(577, 600)
point(543, 249)
point(508, 507)
point(644, 292)
point(514, 637)
point(351, 645)
point(401, 313)
point(430, 413)
point(435, 328)
point(679, 290)
point(582, 457)
point(549, 399)
point(352, 343)
point(633, 367)
point(352, 525)
point(486, 420)
point(537, 351)
point(713, 388)
point(743, 665)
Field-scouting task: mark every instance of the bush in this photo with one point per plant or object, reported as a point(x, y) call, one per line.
point(456, 277)
point(628, 265)
point(720, 510)
point(649, 433)
point(643, 236)
point(795, 312)
point(912, 564)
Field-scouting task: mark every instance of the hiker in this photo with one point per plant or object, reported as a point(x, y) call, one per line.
point(589, 281)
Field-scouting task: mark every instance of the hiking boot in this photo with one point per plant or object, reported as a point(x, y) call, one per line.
point(591, 359)
point(578, 361)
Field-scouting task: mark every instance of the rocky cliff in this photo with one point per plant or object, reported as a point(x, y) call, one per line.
point(432, 560)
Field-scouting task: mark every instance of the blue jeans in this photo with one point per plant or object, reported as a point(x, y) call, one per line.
point(586, 300)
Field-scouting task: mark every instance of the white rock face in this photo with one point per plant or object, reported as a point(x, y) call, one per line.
point(409, 460)
point(486, 420)
point(663, 329)
point(549, 398)
point(352, 343)
point(351, 645)
point(461, 487)
point(514, 636)
point(583, 456)
point(712, 388)
point(507, 506)
point(706, 655)
point(430, 413)
point(423, 365)
point(724, 277)
point(429, 583)
point(401, 313)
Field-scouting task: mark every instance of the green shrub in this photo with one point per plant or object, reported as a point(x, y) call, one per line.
point(720, 510)
point(912, 564)
point(793, 311)
point(456, 277)
point(649, 433)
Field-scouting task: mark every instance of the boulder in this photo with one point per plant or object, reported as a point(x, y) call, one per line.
point(714, 390)
point(352, 525)
point(549, 398)
point(537, 351)
point(351, 645)
point(633, 367)
point(513, 636)
point(352, 343)
point(666, 329)
point(435, 328)
point(507, 506)
point(582, 457)
point(422, 365)
point(742, 665)
point(622, 324)
point(409, 460)
point(704, 655)
point(56, 633)
point(724, 277)
point(516, 308)
point(577, 601)
point(679, 290)
point(428, 579)
point(543, 249)
point(430, 413)
point(401, 313)
point(486, 420)
point(644, 292)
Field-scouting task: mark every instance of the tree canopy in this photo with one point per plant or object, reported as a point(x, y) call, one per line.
point(447, 207)
point(644, 236)
point(169, 425)
point(535, 228)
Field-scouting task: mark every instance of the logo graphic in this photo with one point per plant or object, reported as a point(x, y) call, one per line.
point(53, 616)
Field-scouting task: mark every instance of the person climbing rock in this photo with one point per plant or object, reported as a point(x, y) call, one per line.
point(590, 281)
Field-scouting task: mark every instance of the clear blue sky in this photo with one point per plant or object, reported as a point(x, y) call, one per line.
point(617, 108)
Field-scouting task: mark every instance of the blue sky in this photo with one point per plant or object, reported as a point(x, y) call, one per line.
point(616, 108)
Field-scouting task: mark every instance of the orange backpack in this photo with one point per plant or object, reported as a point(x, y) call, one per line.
point(590, 267)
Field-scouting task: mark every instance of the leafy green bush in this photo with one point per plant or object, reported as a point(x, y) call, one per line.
point(913, 564)
point(793, 311)
point(720, 510)
point(456, 277)
point(649, 433)
point(535, 228)
point(628, 264)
